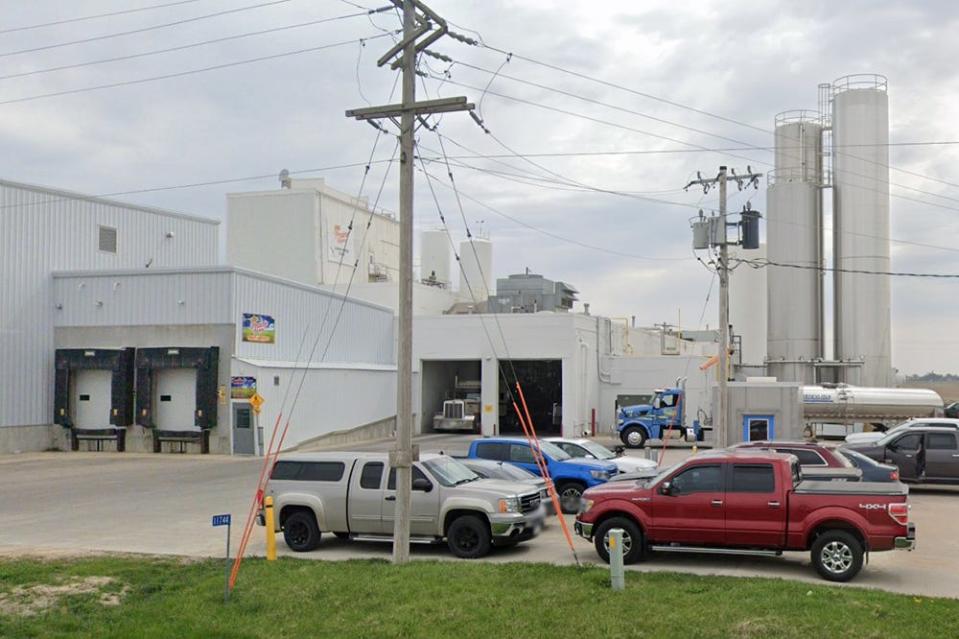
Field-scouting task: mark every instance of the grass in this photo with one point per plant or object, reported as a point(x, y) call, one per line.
point(369, 599)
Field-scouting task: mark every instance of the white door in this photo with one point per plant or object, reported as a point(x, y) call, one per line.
point(91, 398)
point(175, 398)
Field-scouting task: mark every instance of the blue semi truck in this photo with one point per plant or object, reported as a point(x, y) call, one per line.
point(637, 424)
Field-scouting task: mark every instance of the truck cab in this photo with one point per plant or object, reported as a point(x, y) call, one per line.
point(641, 422)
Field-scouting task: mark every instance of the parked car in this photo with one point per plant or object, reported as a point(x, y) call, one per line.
point(952, 410)
point(589, 449)
point(871, 469)
point(352, 495)
point(817, 461)
point(875, 436)
point(923, 453)
point(753, 502)
point(570, 476)
point(489, 469)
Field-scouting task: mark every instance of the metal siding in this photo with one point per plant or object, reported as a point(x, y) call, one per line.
point(364, 334)
point(143, 299)
point(43, 231)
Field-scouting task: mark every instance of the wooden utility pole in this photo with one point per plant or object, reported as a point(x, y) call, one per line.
point(418, 20)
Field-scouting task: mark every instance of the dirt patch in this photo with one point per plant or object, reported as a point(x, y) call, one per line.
point(755, 628)
point(28, 601)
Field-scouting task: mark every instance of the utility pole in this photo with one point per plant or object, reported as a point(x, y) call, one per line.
point(418, 21)
point(712, 233)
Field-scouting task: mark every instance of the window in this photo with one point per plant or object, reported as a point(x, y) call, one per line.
point(521, 453)
point(907, 442)
point(107, 241)
point(490, 450)
point(372, 475)
point(417, 474)
point(940, 441)
point(753, 479)
point(84, 398)
point(805, 457)
point(698, 479)
point(308, 471)
point(166, 398)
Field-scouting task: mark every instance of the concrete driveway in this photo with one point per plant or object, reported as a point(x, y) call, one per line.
point(77, 503)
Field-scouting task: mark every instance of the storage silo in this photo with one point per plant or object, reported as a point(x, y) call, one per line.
point(435, 257)
point(860, 121)
point(476, 261)
point(794, 236)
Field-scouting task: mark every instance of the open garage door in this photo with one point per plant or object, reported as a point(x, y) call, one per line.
point(542, 381)
point(451, 396)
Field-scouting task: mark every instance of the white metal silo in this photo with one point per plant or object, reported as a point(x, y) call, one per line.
point(794, 237)
point(476, 260)
point(860, 121)
point(747, 300)
point(435, 257)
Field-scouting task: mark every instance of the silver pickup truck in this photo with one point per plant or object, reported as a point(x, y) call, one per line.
point(353, 495)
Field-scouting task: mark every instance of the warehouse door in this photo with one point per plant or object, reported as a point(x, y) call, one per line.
point(242, 429)
point(175, 399)
point(91, 398)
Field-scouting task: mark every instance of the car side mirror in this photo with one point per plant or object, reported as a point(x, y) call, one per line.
point(423, 485)
point(666, 488)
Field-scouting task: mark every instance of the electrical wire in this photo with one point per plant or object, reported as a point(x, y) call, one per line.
point(181, 74)
point(165, 25)
point(763, 263)
point(96, 16)
point(183, 47)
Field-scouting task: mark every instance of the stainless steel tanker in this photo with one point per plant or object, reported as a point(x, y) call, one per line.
point(877, 407)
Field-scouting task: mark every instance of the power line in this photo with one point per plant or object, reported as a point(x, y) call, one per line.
point(96, 16)
point(763, 263)
point(178, 48)
point(165, 25)
point(180, 74)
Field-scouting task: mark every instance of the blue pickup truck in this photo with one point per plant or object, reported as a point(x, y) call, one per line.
point(571, 476)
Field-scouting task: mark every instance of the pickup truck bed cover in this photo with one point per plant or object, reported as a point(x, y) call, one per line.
point(851, 488)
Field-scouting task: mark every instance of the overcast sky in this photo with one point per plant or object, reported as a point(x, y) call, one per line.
point(744, 61)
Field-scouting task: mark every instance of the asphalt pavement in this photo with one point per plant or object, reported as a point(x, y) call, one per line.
point(81, 503)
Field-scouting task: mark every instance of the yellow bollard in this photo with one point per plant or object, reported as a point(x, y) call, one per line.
point(270, 529)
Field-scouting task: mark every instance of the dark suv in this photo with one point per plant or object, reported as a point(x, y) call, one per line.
point(818, 462)
point(922, 453)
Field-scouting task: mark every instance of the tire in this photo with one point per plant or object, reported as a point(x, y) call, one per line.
point(342, 536)
point(634, 437)
point(570, 494)
point(837, 555)
point(468, 537)
point(300, 532)
point(634, 543)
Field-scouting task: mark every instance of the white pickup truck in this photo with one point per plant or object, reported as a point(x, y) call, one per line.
point(353, 496)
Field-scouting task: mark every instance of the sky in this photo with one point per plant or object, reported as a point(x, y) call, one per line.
point(733, 64)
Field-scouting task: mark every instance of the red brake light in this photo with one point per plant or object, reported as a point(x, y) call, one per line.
point(899, 512)
point(894, 475)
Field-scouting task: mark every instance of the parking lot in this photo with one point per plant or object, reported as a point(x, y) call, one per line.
point(78, 503)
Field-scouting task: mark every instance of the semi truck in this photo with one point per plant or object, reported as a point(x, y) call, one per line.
point(461, 412)
point(829, 410)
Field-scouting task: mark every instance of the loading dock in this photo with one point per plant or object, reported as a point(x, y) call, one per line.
point(542, 383)
point(458, 382)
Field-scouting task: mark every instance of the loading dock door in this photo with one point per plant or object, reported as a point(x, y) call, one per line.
point(91, 395)
point(175, 398)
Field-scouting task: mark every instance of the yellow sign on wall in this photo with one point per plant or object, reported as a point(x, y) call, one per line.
point(256, 401)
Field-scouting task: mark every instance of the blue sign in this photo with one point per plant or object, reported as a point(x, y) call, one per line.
point(221, 520)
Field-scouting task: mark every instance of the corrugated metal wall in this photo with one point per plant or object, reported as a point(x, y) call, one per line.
point(45, 230)
point(364, 333)
point(144, 298)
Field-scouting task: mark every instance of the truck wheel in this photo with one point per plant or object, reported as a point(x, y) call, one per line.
point(634, 544)
point(300, 532)
point(468, 537)
point(837, 555)
point(634, 437)
point(570, 496)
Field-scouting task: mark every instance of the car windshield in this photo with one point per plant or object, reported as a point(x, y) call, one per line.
point(450, 472)
point(888, 437)
point(509, 471)
point(597, 450)
point(554, 451)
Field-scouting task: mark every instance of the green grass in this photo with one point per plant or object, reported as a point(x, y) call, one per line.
point(297, 598)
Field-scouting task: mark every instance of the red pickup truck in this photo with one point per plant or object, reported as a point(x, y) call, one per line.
point(752, 502)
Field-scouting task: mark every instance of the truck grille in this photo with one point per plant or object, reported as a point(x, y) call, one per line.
point(453, 410)
point(529, 503)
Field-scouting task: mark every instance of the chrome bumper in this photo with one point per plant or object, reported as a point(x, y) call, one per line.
point(508, 525)
point(909, 541)
point(583, 529)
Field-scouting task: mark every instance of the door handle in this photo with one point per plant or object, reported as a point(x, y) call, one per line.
point(717, 502)
point(955, 455)
point(391, 498)
point(773, 504)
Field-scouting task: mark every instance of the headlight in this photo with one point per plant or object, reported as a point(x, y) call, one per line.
point(509, 505)
point(599, 474)
point(585, 505)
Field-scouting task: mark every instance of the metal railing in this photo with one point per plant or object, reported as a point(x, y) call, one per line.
point(860, 81)
point(798, 115)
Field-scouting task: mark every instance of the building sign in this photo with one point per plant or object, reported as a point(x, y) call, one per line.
point(242, 387)
point(259, 328)
point(340, 242)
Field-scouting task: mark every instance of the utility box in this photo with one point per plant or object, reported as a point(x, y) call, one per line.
point(762, 410)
